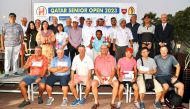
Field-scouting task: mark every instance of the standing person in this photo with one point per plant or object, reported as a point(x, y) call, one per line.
point(88, 32)
point(147, 67)
point(133, 25)
point(164, 34)
point(11, 40)
point(105, 75)
point(38, 65)
point(165, 63)
point(75, 38)
point(101, 26)
point(146, 31)
point(127, 64)
point(81, 20)
point(53, 26)
point(60, 68)
point(46, 39)
point(24, 25)
point(83, 65)
point(122, 39)
point(68, 25)
point(31, 33)
point(38, 24)
point(61, 39)
point(111, 32)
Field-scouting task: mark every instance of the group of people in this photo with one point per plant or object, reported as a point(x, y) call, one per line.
point(93, 56)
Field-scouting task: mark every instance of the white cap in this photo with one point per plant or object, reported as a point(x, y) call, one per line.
point(75, 20)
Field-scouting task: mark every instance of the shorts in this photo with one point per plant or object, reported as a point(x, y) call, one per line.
point(96, 78)
point(165, 80)
point(52, 79)
point(80, 79)
point(128, 82)
point(28, 79)
point(142, 88)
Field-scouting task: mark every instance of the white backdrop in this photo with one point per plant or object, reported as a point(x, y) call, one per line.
point(45, 11)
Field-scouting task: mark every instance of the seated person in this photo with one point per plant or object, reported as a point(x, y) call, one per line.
point(60, 72)
point(146, 70)
point(105, 75)
point(37, 64)
point(97, 42)
point(150, 49)
point(126, 64)
point(165, 62)
point(83, 66)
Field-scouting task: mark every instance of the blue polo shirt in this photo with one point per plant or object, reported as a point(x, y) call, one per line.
point(64, 62)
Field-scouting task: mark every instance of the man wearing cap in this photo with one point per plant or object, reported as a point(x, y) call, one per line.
point(126, 67)
point(12, 37)
point(105, 75)
point(122, 39)
point(75, 38)
point(133, 25)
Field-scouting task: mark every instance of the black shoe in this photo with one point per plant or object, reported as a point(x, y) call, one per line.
point(24, 103)
point(40, 100)
point(163, 104)
point(16, 74)
point(6, 76)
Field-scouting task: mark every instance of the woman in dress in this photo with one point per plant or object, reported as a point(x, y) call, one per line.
point(46, 39)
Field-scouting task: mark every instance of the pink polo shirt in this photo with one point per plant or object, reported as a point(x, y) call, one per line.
point(104, 65)
point(127, 65)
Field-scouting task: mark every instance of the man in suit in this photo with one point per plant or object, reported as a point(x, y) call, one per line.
point(164, 34)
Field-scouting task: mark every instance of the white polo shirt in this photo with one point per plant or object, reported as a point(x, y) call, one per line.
point(123, 36)
point(111, 32)
point(87, 33)
point(82, 67)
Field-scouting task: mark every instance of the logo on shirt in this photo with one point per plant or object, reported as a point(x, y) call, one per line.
point(41, 11)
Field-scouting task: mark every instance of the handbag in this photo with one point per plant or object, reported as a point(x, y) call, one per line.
point(149, 83)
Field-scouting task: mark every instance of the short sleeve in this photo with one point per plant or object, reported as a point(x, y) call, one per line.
point(174, 61)
point(139, 63)
point(74, 64)
point(53, 63)
point(90, 64)
point(130, 34)
point(69, 62)
point(3, 29)
point(154, 66)
point(139, 31)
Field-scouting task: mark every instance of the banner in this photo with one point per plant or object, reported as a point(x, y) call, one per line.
point(45, 11)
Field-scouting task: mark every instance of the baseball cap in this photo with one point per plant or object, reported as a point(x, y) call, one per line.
point(129, 49)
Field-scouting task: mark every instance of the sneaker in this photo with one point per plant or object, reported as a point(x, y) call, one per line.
point(137, 105)
point(82, 101)
point(157, 105)
point(24, 103)
point(142, 105)
point(16, 74)
point(40, 100)
point(49, 101)
point(75, 102)
point(64, 102)
point(118, 105)
point(6, 76)
point(163, 104)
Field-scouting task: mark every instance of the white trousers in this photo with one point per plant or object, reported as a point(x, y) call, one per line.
point(11, 58)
